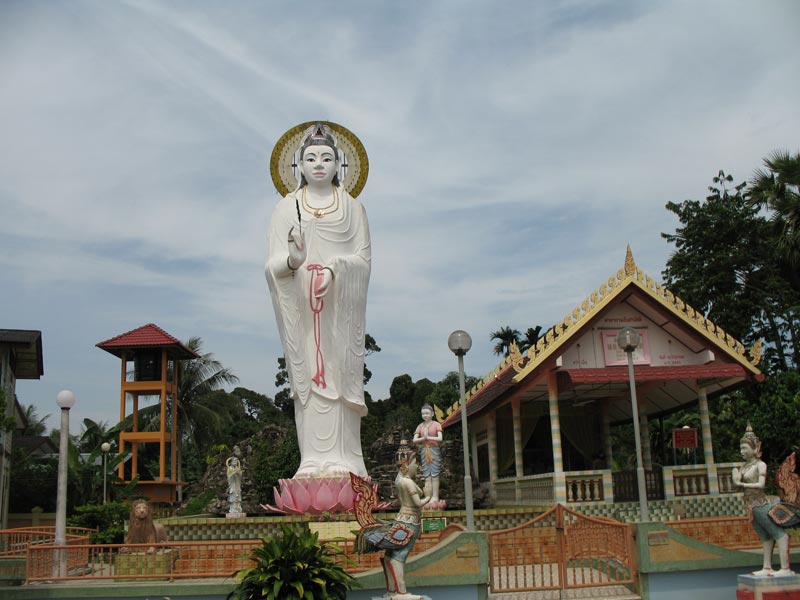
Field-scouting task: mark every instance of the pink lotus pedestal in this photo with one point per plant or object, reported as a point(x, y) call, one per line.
point(313, 496)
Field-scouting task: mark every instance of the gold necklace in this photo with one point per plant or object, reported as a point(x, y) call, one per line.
point(322, 211)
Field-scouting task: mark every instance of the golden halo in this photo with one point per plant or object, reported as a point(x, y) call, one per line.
point(283, 162)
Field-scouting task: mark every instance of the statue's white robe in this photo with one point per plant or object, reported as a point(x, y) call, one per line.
point(328, 419)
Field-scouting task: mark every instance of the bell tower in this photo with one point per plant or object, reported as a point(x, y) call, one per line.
point(156, 358)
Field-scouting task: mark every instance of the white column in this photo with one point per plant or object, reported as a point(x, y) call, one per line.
point(492, 433)
point(708, 448)
point(609, 448)
point(518, 464)
point(559, 481)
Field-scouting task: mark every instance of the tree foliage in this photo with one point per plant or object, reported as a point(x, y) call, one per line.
point(776, 188)
point(725, 265)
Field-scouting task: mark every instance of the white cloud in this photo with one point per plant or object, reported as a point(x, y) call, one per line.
point(515, 150)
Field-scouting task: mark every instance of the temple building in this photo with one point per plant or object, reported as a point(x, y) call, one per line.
point(20, 358)
point(540, 422)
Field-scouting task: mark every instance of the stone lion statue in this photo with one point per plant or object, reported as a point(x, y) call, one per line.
point(142, 529)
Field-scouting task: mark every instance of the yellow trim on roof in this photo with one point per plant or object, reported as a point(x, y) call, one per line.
point(555, 337)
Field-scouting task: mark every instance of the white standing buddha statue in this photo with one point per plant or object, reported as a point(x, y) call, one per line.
point(318, 268)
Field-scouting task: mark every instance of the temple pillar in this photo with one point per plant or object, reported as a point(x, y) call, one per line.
point(491, 431)
point(559, 481)
point(708, 449)
point(608, 446)
point(518, 463)
point(647, 456)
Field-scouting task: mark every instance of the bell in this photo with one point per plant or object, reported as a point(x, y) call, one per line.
point(147, 365)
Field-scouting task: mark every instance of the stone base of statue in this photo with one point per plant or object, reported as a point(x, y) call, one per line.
point(143, 563)
point(314, 496)
point(235, 515)
point(764, 587)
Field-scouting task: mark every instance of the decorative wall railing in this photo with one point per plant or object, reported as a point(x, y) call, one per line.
point(618, 486)
point(735, 533)
point(725, 478)
point(586, 486)
point(177, 560)
point(535, 490)
point(692, 482)
point(15, 542)
point(626, 488)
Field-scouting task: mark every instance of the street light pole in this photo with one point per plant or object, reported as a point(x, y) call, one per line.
point(65, 401)
point(628, 340)
point(459, 343)
point(105, 447)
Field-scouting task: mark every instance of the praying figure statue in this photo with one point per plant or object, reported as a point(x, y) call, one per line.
point(317, 269)
point(428, 436)
point(752, 478)
point(234, 473)
point(396, 537)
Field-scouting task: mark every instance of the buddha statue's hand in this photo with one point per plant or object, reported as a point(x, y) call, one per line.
point(297, 250)
point(322, 285)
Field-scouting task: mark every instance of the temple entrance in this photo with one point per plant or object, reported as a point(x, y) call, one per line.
point(562, 550)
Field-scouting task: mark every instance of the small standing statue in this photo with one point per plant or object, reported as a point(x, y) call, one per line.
point(142, 529)
point(752, 478)
point(397, 537)
point(234, 473)
point(428, 436)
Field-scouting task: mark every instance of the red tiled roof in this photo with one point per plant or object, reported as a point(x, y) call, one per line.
point(146, 336)
point(645, 373)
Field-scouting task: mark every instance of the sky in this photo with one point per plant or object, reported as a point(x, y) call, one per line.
point(515, 149)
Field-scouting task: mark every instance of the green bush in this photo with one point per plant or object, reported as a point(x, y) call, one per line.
point(108, 519)
point(293, 566)
point(197, 504)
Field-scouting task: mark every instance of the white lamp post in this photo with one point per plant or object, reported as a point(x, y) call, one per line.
point(105, 447)
point(65, 401)
point(628, 340)
point(459, 343)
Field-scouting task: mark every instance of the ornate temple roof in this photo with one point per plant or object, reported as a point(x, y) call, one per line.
point(523, 373)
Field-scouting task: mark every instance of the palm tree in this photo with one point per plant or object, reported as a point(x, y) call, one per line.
point(199, 417)
point(776, 187)
point(529, 338)
point(504, 336)
point(34, 424)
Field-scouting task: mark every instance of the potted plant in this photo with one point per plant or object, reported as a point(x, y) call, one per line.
point(293, 565)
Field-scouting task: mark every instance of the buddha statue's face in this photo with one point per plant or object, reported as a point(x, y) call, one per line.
point(319, 165)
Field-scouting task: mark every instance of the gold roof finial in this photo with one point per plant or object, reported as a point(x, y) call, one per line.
point(630, 266)
point(756, 352)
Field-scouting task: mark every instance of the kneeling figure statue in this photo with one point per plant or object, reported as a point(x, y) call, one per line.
point(396, 537)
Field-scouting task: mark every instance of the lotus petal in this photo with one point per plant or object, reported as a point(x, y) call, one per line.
point(301, 497)
point(345, 498)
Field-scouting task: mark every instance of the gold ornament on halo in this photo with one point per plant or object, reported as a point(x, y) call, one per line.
point(354, 166)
